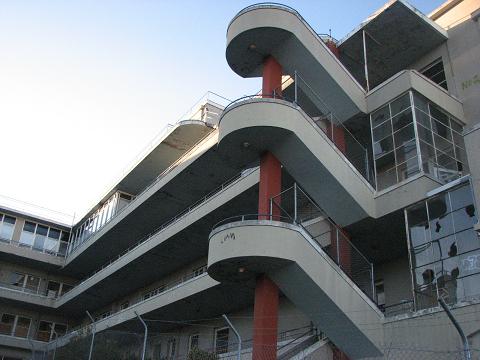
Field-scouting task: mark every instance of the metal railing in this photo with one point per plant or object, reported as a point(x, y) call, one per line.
point(304, 212)
point(181, 281)
point(61, 252)
point(227, 184)
point(176, 163)
point(314, 107)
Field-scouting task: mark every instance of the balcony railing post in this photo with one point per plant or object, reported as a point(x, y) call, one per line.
point(295, 203)
point(338, 249)
point(271, 209)
point(374, 295)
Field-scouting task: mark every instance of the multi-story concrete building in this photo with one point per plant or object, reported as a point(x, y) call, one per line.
point(325, 216)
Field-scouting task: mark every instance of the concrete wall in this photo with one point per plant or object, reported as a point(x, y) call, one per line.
point(460, 55)
point(397, 280)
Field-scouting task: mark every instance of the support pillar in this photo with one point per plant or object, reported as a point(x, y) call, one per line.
point(265, 319)
point(265, 313)
point(272, 78)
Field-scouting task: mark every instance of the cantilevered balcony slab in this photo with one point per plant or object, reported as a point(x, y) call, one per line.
point(173, 246)
point(241, 250)
point(249, 128)
point(22, 343)
point(265, 29)
point(198, 173)
point(13, 252)
point(396, 36)
point(406, 80)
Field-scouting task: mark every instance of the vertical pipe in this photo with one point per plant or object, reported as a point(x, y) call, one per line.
point(239, 347)
point(338, 249)
point(365, 59)
point(295, 203)
point(93, 335)
point(145, 335)
point(466, 346)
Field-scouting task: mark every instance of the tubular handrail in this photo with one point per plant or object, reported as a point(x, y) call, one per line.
point(227, 184)
point(253, 216)
point(149, 186)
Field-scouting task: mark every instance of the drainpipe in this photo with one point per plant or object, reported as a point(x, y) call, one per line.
point(93, 335)
point(145, 335)
point(466, 347)
point(239, 348)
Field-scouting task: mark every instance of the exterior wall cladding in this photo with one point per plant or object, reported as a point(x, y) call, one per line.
point(375, 221)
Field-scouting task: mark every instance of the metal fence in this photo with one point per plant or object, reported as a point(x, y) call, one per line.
point(303, 211)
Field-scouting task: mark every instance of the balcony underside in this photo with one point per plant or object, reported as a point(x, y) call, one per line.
point(182, 243)
point(187, 183)
point(305, 274)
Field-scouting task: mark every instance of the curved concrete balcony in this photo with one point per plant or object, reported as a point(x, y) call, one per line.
point(252, 126)
point(273, 29)
point(303, 271)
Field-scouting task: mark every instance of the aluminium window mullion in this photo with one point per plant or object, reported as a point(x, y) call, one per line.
point(415, 129)
point(393, 140)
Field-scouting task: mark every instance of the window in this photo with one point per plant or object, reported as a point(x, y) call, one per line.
point(43, 238)
point(445, 249)
point(65, 289)
point(14, 325)
point(124, 305)
point(7, 322)
point(199, 271)
point(380, 293)
point(394, 146)
point(221, 340)
point(436, 72)
point(442, 146)
point(53, 289)
point(171, 348)
point(48, 330)
point(104, 315)
point(44, 331)
point(193, 341)
point(22, 327)
point(7, 225)
point(26, 282)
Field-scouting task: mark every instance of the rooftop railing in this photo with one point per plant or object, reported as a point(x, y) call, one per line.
point(227, 184)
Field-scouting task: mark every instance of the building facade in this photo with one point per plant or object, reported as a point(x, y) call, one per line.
point(324, 216)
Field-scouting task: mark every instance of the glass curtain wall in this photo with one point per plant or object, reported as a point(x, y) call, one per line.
point(444, 248)
point(412, 135)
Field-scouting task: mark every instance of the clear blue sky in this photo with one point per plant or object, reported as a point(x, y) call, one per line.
point(85, 85)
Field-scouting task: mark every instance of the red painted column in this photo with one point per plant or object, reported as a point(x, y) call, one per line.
point(265, 312)
point(333, 48)
point(270, 184)
point(272, 78)
point(265, 320)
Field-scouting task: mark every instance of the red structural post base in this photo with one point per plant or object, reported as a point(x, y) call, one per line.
point(265, 320)
point(270, 184)
point(272, 78)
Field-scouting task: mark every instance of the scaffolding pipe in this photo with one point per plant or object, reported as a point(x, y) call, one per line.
point(239, 348)
point(145, 335)
point(466, 346)
point(93, 335)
